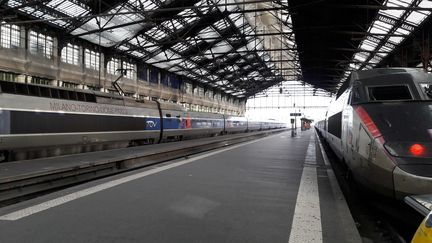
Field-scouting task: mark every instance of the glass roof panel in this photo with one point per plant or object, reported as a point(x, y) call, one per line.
point(368, 45)
point(375, 59)
point(188, 15)
point(157, 33)
point(115, 35)
point(416, 17)
point(124, 47)
point(197, 58)
point(239, 20)
point(95, 38)
point(208, 34)
point(175, 61)
point(399, 3)
point(60, 23)
point(361, 56)
point(380, 27)
point(68, 7)
point(137, 54)
point(203, 10)
point(254, 45)
point(396, 39)
point(180, 47)
point(221, 24)
point(385, 49)
point(146, 4)
point(187, 64)
point(42, 15)
point(13, 3)
point(390, 45)
point(219, 49)
point(425, 4)
point(393, 13)
point(173, 24)
point(401, 31)
point(163, 65)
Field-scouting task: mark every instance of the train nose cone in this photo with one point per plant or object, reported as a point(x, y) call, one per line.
point(412, 179)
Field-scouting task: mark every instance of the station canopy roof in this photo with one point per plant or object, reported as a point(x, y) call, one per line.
point(240, 46)
point(337, 37)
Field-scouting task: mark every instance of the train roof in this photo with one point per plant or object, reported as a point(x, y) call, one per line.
point(55, 92)
point(367, 74)
point(380, 75)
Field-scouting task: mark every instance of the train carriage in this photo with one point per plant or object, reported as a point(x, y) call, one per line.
point(41, 121)
point(380, 126)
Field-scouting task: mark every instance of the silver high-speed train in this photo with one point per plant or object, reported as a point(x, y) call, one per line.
point(380, 126)
point(42, 121)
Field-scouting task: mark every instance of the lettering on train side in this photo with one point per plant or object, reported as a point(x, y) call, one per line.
point(151, 124)
point(88, 108)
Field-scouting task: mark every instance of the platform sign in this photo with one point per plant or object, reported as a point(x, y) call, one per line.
point(295, 114)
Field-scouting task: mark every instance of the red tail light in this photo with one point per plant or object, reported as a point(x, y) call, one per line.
point(409, 149)
point(417, 149)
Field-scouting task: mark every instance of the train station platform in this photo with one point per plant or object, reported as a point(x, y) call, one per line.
point(274, 189)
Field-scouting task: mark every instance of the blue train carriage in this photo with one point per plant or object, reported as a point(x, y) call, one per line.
point(41, 121)
point(44, 121)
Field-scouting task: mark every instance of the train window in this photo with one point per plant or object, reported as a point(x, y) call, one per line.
point(168, 115)
point(72, 95)
point(80, 96)
point(21, 89)
point(34, 90)
point(8, 87)
point(63, 94)
point(391, 92)
point(335, 124)
point(55, 93)
point(45, 92)
point(90, 98)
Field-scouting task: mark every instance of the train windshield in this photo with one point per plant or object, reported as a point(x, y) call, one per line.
point(390, 92)
point(427, 89)
point(402, 121)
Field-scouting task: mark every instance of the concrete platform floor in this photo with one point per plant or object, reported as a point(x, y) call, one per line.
point(274, 189)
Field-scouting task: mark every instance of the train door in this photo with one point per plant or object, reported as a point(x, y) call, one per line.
point(346, 138)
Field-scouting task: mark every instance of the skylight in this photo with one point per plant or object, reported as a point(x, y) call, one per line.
point(68, 7)
point(386, 34)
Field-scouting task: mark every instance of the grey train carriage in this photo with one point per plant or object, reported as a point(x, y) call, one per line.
point(380, 126)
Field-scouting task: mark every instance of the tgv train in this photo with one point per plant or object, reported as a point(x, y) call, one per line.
point(42, 121)
point(381, 126)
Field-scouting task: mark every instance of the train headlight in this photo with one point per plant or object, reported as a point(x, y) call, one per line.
point(409, 149)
